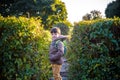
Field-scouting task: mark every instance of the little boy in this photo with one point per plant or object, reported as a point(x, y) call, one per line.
point(56, 52)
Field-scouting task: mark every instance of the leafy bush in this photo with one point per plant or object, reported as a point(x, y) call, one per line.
point(94, 50)
point(23, 49)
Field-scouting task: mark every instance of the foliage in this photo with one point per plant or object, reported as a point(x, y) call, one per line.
point(94, 14)
point(23, 49)
point(58, 14)
point(5, 7)
point(94, 50)
point(87, 17)
point(23, 7)
point(51, 11)
point(64, 28)
point(113, 9)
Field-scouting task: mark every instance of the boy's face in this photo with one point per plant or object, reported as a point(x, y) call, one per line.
point(54, 35)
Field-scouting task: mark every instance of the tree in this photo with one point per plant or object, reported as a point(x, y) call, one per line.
point(5, 7)
point(94, 14)
point(51, 11)
point(87, 17)
point(23, 7)
point(58, 14)
point(113, 9)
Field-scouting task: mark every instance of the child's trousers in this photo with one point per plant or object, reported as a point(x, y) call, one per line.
point(56, 71)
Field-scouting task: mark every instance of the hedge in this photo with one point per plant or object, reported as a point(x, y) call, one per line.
point(94, 50)
point(23, 49)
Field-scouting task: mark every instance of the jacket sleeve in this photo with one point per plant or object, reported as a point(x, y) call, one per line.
point(60, 51)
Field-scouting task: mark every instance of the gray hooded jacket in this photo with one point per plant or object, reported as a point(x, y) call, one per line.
point(56, 54)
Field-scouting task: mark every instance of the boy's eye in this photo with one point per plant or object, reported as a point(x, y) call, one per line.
point(54, 33)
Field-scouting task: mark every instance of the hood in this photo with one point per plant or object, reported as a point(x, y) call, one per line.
point(61, 37)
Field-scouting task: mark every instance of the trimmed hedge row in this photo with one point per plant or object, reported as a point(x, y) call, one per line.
point(23, 49)
point(94, 50)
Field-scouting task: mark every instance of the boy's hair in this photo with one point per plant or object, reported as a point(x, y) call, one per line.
point(55, 30)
